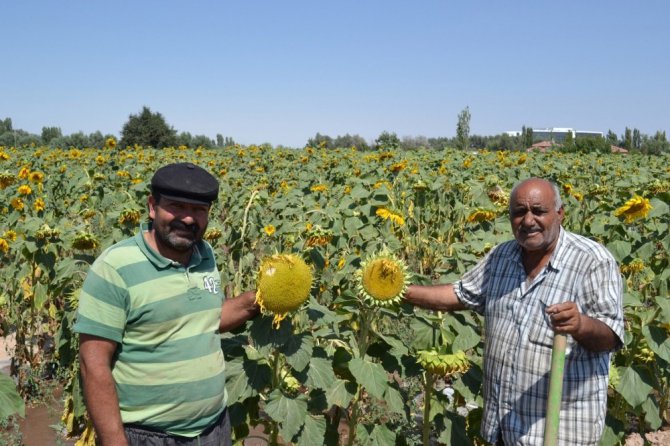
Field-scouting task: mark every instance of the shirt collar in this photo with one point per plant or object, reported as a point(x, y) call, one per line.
point(556, 257)
point(555, 261)
point(199, 253)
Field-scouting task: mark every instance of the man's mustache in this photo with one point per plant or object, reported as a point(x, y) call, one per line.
point(176, 224)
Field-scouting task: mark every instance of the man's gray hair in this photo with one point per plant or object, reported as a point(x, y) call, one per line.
point(558, 203)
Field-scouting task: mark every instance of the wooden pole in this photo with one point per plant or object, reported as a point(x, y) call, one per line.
point(555, 390)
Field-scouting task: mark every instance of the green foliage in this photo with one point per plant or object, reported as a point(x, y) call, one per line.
point(49, 133)
point(340, 141)
point(387, 141)
point(10, 401)
point(463, 129)
point(147, 129)
point(5, 125)
point(336, 362)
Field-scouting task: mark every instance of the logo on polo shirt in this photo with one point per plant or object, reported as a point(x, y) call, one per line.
point(211, 284)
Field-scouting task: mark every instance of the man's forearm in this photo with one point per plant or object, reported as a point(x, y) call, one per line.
point(103, 407)
point(595, 335)
point(435, 297)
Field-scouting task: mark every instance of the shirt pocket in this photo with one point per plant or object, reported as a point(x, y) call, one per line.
point(540, 331)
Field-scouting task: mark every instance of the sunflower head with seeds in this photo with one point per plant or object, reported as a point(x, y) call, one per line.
point(283, 284)
point(382, 279)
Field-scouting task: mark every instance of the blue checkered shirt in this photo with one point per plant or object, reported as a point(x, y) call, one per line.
point(518, 339)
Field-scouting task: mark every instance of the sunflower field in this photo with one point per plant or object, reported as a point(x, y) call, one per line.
point(345, 367)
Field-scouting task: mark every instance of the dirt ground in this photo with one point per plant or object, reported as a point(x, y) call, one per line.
point(40, 418)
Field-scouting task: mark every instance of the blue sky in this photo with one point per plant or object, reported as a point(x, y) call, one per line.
point(281, 71)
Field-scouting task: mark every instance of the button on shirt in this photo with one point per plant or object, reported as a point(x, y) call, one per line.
point(519, 338)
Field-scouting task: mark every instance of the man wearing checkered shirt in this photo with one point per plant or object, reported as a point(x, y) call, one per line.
point(546, 281)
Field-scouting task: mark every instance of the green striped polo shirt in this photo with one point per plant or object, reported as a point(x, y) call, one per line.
point(168, 366)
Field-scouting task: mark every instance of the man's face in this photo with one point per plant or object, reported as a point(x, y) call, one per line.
point(535, 221)
point(178, 225)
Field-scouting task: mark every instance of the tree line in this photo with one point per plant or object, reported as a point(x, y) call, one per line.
point(150, 129)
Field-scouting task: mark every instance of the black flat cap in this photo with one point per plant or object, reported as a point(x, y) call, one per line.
point(185, 182)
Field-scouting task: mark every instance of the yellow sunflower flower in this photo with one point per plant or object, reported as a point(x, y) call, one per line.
point(386, 214)
point(85, 241)
point(213, 234)
point(634, 267)
point(39, 205)
point(6, 180)
point(24, 172)
point(284, 282)
point(17, 203)
point(382, 279)
point(481, 215)
point(443, 364)
point(24, 189)
point(10, 235)
point(4, 245)
point(635, 208)
point(130, 217)
point(36, 177)
point(319, 188)
point(269, 230)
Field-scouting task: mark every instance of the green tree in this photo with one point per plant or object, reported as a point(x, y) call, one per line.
point(569, 143)
point(201, 141)
point(348, 141)
point(592, 145)
point(387, 141)
point(148, 129)
point(502, 142)
point(479, 141)
point(656, 145)
point(49, 133)
point(637, 139)
point(463, 129)
point(321, 141)
point(628, 139)
point(5, 125)
point(612, 138)
point(526, 137)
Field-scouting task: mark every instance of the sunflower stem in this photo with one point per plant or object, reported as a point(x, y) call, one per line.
point(276, 380)
point(363, 341)
point(428, 382)
point(237, 281)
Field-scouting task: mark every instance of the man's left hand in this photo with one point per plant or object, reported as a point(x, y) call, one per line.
point(565, 318)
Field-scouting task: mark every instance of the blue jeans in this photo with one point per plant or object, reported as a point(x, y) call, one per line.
point(218, 434)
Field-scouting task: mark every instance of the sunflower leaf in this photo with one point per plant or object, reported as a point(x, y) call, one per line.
point(10, 400)
point(370, 375)
point(313, 431)
point(339, 394)
point(298, 350)
point(381, 436)
point(634, 385)
point(288, 412)
point(393, 400)
point(320, 373)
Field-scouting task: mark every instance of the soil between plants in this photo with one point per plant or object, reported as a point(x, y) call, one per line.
point(37, 431)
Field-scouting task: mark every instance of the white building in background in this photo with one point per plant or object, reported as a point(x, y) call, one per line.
point(558, 134)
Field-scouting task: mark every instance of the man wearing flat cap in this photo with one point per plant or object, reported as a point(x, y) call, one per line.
point(150, 316)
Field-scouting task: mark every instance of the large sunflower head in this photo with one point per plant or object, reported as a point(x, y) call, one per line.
point(383, 279)
point(284, 282)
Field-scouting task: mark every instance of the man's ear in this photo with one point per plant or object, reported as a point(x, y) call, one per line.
point(151, 203)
